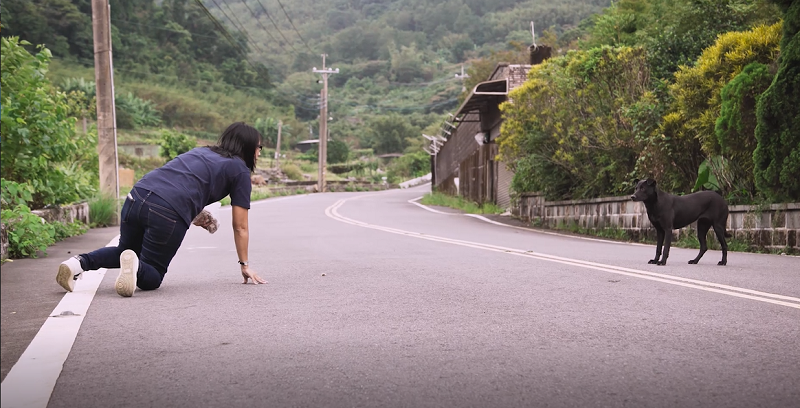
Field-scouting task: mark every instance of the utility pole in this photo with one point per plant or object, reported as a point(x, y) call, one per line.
point(462, 77)
point(278, 145)
point(323, 121)
point(106, 120)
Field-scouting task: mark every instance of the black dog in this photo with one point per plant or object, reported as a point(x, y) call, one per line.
point(668, 212)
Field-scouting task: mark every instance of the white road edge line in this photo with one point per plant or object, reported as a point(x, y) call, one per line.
point(673, 280)
point(264, 201)
point(30, 382)
point(482, 218)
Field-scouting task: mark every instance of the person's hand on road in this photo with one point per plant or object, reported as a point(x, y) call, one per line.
point(248, 274)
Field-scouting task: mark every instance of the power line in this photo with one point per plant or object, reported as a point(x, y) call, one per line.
point(292, 23)
point(224, 31)
point(275, 25)
point(264, 28)
point(242, 29)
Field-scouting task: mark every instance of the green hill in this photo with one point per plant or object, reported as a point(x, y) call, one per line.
point(254, 58)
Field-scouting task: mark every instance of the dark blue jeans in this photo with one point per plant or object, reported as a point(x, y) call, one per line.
point(151, 228)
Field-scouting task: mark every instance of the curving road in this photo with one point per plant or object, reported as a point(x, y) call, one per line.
point(374, 301)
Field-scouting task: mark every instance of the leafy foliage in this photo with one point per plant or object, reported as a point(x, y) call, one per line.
point(676, 32)
point(338, 151)
point(391, 134)
point(173, 144)
point(39, 144)
point(690, 124)
point(777, 157)
point(735, 127)
point(27, 232)
point(14, 194)
point(134, 112)
point(409, 166)
point(570, 125)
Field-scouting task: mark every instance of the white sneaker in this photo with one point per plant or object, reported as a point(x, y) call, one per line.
point(68, 272)
point(128, 268)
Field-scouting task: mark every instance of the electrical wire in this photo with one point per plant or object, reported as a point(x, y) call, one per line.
point(264, 28)
point(292, 23)
point(242, 29)
point(275, 25)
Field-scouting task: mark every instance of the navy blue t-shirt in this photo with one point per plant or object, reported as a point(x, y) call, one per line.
point(198, 178)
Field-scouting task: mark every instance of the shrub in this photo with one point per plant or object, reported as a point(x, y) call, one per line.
point(292, 172)
point(174, 143)
point(569, 131)
point(735, 128)
point(409, 166)
point(777, 157)
point(689, 125)
point(39, 143)
point(134, 112)
point(63, 230)
point(27, 232)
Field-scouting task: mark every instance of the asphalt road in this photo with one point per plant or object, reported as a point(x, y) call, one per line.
point(373, 301)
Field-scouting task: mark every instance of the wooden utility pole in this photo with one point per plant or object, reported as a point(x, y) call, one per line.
point(278, 146)
point(323, 122)
point(106, 120)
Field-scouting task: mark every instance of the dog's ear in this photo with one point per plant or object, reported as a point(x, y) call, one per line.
point(651, 182)
point(635, 182)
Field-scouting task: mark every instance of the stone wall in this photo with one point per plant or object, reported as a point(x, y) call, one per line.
point(776, 226)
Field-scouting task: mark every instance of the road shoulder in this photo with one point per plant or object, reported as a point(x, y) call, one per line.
point(29, 292)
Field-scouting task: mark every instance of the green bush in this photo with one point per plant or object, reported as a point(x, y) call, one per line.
point(14, 193)
point(292, 172)
point(409, 166)
point(777, 156)
point(338, 151)
point(134, 112)
point(39, 143)
point(569, 131)
point(27, 232)
point(735, 129)
point(174, 143)
point(63, 230)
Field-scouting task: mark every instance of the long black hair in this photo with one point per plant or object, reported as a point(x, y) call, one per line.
point(239, 140)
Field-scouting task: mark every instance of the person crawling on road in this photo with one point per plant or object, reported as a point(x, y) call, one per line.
point(166, 201)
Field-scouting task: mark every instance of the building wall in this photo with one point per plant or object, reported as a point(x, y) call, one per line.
point(460, 145)
point(504, 178)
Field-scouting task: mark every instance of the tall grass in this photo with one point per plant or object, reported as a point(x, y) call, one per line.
point(102, 211)
point(460, 203)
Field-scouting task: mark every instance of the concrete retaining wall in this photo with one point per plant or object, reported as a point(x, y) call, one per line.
point(776, 226)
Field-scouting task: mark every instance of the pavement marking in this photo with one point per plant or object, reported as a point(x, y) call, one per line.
point(264, 201)
point(482, 218)
point(735, 291)
point(31, 381)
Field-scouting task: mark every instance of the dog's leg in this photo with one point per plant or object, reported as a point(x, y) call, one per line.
point(719, 230)
point(702, 230)
point(659, 243)
point(667, 243)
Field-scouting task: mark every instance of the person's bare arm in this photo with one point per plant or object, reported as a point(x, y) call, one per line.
point(241, 238)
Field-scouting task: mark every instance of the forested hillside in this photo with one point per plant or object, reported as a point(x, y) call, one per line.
point(395, 56)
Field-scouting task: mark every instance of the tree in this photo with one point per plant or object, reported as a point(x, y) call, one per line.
point(735, 127)
point(690, 124)
point(570, 130)
point(777, 157)
point(391, 133)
